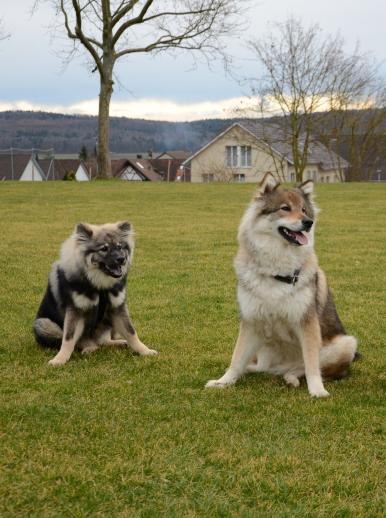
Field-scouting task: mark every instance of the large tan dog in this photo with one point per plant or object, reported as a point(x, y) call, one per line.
point(288, 316)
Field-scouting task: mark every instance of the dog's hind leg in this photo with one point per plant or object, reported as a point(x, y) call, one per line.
point(47, 333)
point(106, 339)
point(246, 346)
point(292, 377)
point(337, 355)
point(115, 343)
point(88, 346)
point(261, 362)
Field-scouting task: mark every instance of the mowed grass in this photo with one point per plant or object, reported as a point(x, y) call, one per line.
point(113, 434)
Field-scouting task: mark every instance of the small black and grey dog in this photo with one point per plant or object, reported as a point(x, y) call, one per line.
point(85, 302)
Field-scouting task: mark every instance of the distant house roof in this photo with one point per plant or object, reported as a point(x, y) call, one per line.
point(57, 169)
point(272, 135)
point(117, 166)
point(169, 168)
point(176, 155)
point(13, 165)
point(142, 167)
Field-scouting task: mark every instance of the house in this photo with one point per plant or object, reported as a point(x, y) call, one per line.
point(135, 170)
point(169, 164)
point(171, 169)
point(247, 150)
point(22, 167)
point(38, 167)
point(60, 169)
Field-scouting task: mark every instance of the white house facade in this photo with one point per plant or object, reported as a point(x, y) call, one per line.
point(32, 172)
point(242, 153)
point(81, 174)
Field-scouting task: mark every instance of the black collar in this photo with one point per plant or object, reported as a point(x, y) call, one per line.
point(289, 279)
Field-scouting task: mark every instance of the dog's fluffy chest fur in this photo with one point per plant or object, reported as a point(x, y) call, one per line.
point(275, 306)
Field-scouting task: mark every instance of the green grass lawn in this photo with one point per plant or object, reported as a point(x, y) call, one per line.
point(117, 435)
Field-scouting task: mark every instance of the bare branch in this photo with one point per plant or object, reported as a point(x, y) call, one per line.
point(77, 33)
point(134, 21)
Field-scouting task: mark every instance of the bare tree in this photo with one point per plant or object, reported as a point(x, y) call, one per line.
point(305, 72)
point(366, 143)
point(356, 124)
point(112, 29)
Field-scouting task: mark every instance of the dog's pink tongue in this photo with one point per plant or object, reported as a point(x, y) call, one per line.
point(301, 238)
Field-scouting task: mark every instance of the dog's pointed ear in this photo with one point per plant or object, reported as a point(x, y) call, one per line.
point(124, 228)
point(83, 231)
point(268, 184)
point(307, 187)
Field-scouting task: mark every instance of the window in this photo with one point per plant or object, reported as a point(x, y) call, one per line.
point(327, 179)
point(238, 156)
point(245, 156)
point(293, 177)
point(239, 178)
point(231, 156)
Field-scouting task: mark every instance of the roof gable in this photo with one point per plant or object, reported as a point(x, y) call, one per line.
point(142, 167)
point(32, 172)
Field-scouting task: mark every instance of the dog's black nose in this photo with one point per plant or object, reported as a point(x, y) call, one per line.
point(120, 260)
point(307, 224)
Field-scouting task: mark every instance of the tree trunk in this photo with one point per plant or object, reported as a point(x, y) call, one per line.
point(104, 161)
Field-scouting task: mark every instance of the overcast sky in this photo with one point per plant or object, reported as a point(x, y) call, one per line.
point(163, 88)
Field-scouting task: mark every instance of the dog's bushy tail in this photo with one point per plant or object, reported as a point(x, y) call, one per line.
point(337, 355)
point(47, 333)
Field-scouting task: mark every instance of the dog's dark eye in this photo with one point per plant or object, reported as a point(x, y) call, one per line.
point(303, 210)
point(104, 248)
point(286, 208)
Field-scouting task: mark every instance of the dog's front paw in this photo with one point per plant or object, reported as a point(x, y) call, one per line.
point(319, 393)
point(218, 383)
point(56, 361)
point(149, 352)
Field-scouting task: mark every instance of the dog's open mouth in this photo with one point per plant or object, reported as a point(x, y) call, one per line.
point(113, 270)
point(296, 238)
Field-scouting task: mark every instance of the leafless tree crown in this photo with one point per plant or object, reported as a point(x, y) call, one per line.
point(307, 72)
point(124, 27)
